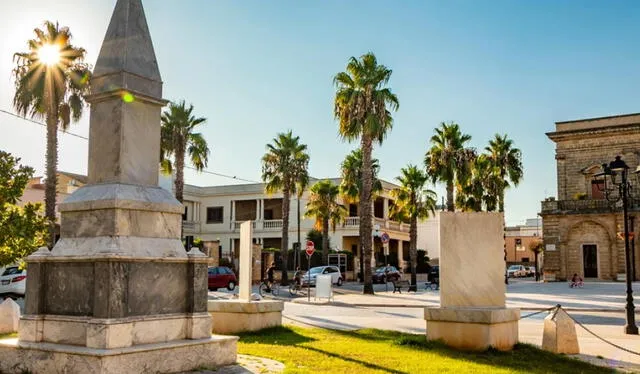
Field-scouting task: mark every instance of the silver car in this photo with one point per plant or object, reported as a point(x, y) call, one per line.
point(309, 278)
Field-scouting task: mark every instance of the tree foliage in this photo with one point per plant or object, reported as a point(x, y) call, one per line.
point(22, 228)
point(324, 207)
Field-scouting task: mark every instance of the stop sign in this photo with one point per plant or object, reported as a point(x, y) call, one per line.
point(310, 248)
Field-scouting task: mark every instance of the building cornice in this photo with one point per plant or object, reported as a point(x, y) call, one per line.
point(594, 132)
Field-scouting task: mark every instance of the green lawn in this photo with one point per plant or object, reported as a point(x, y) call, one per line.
point(376, 351)
point(6, 336)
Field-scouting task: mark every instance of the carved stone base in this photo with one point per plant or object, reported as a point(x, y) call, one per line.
point(473, 329)
point(176, 356)
point(234, 316)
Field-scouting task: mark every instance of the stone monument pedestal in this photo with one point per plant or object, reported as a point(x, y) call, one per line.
point(474, 329)
point(234, 316)
point(169, 357)
point(472, 313)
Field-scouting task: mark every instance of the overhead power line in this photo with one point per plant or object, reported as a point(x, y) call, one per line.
point(86, 138)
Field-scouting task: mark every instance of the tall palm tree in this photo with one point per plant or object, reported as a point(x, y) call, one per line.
point(51, 80)
point(324, 207)
point(448, 160)
point(507, 164)
point(351, 172)
point(414, 202)
point(178, 138)
point(284, 168)
point(362, 106)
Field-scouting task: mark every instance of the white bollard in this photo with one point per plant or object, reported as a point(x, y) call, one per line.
point(9, 316)
point(560, 333)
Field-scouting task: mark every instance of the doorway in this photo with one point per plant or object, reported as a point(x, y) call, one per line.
point(590, 260)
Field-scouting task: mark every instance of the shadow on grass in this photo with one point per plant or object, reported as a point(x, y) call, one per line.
point(7, 336)
point(523, 356)
point(366, 364)
point(275, 335)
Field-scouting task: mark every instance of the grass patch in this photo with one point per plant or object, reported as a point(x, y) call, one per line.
point(6, 336)
point(375, 351)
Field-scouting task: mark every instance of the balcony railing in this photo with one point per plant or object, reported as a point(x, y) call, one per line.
point(272, 224)
point(189, 226)
point(236, 224)
point(578, 206)
point(352, 222)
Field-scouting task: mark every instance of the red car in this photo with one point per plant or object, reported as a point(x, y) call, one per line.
point(221, 277)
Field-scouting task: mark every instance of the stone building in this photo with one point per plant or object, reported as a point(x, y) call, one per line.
point(582, 230)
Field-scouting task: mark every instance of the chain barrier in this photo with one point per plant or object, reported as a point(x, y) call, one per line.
point(558, 307)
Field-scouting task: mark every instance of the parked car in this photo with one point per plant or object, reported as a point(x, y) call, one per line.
point(516, 271)
point(531, 271)
point(309, 278)
point(13, 281)
point(385, 274)
point(221, 277)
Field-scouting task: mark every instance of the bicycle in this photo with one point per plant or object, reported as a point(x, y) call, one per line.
point(294, 288)
point(264, 289)
point(434, 284)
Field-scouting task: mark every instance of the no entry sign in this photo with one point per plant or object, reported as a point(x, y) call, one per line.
point(310, 248)
point(384, 238)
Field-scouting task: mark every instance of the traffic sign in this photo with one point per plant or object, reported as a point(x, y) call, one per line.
point(311, 247)
point(384, 238)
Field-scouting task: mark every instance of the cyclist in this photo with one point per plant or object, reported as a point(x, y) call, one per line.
point(270, 274)
point(297, 276)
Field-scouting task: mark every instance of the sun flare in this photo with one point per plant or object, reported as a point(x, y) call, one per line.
point(49, 54)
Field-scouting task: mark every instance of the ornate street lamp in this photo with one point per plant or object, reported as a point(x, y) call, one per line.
point(617, 188)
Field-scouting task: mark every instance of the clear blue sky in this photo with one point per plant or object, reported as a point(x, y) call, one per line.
point(255, 68)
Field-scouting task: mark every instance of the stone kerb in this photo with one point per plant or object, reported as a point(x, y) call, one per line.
point(9, 316)
point(234, 316)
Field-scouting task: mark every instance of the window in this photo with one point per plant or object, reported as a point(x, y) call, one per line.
point(519, 246)
point(597, 189)
point(525, 259)
point(215, 214)
point(353, 210)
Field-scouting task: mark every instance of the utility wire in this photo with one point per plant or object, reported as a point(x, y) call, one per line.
point(86, 138)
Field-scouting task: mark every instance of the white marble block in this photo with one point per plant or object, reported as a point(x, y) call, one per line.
point(9, 316)
point(560, 333)
point(245, 261)
point(472, 263)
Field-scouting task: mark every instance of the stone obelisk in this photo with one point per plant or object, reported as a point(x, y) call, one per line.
point(119, 279)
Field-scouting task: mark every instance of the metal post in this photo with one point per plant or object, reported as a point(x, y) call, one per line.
point(297, 254)
point(309, 280)
point(630, 327)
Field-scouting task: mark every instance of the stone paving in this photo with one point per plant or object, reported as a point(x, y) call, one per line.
point(247, 364)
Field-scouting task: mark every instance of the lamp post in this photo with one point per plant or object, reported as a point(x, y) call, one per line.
point(617, 172)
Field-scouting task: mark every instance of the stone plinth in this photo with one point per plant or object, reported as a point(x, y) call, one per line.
point(176, 356)
point(234, 316)
point(9, 316)
point(474, 329)
point(472, 315)
point(560, 333)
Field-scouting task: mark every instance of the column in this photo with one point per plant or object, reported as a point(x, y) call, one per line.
point(386, 208)
point(400, 256)
point(233, 214)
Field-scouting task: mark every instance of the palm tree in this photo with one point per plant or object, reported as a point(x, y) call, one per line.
point(448, 160)
point(362, 106)
point(351, 171)
point(51, 80)
point(507, 164)
point(537, 247)
point(284, 168)
point(324, 207)
point(178, 138)
point(414, 202)
point(480, 189)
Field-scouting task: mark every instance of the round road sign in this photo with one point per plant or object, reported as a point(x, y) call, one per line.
point(384, 238)
point(311, 247)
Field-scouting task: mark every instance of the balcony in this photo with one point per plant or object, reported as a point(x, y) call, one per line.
point(578, 206)
point(354, 222)
point(267, 225)
point(189, 226)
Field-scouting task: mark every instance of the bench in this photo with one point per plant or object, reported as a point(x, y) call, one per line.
point(399, 284)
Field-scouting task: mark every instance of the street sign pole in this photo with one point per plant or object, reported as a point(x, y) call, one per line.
point(309, 281)
point(384, 238)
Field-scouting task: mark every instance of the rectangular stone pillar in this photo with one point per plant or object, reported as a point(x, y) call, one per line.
point(246, 245)
point(472, 313)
